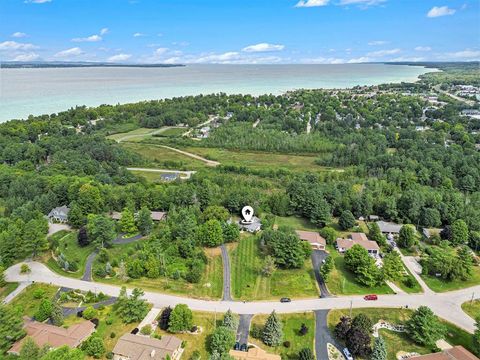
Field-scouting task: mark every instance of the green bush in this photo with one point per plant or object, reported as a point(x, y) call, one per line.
point(89, 313)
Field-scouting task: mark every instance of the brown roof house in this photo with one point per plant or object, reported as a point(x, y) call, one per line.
point(54, 336)
point(135, 347)
point(253, 354)
point(359, 239)
point(316, 241)
point(455, 353)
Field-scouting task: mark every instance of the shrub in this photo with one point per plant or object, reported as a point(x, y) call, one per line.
point(109, 355)
point(146, 330)
point(24, 269)
point(112, 335)
point(109, 321)
point(95, 321)
point(39, 293)
point(256, 331)
point(93, 346)
point(409, 282)
point(286, 344)
point(89, 313)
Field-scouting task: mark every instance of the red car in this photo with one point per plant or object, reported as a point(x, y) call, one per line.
point(371, 297)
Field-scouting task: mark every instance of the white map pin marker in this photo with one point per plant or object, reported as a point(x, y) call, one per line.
point(247, 213)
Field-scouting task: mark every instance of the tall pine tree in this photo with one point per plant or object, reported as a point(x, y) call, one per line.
point(379, 349)
point(272, 332)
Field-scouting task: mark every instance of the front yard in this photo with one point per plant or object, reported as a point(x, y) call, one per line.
point(249, 284)
point(291, 333)
point(440, 285)
point(472, 308)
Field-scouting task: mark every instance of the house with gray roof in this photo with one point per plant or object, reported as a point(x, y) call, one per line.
point(389, 227)
point(59, 214)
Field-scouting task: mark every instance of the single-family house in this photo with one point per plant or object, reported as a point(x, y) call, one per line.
point(53, 336)
point(361, 239)
point(154, 215)
point(389, 227)
point(169, 177)
point(316, 241)
point(252, 226)
point(454, 353)
point(134, 347)
point(253, 353)
point(59, 214)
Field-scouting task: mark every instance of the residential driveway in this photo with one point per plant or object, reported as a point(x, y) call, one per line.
point(244, 328)
point(323, 335)
point(317, 260)
point(416, 269)
point(227, 292)
point(23, 285)
point(446, 305)
point(87, 275)
point(56, 227)
point(150, 318)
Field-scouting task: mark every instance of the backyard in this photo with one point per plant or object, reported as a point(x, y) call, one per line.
point(441, 285)
point(291, 333)
point(249, 284)
point(30, 298)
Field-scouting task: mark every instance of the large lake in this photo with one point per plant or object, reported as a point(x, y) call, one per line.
point(49, 90)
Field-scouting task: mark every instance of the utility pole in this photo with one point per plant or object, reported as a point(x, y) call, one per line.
point(351, 305)
point(473, 296)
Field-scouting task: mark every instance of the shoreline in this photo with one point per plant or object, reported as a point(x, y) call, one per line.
point(132, 91)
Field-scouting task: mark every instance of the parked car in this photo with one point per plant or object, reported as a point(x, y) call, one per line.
point(347, 354)
point(243, 347)
point(237, 346)
point(371, 297)
point(285, 300)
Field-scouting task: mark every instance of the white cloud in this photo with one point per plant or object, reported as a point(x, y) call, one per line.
point(438, 11)
point(362, 2)
point(263, 47)
point(465, 54)
point(323, 60)
point(138, 34)
point(37, 1)
point(362, 59)
point(377, 42)
point(104, 31)
point(119, 57)
point(92, 38)
point(383, 52)
point(161, 51)
point(26, 57)
point(407, 58)
point(18, 34)
point(423, 48)
point(13, 45)
point(311, 3)
point(75, 51)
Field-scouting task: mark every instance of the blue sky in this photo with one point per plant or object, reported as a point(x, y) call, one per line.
point(240, 31)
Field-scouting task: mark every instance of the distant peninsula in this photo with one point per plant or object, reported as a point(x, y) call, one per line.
point(67, 64)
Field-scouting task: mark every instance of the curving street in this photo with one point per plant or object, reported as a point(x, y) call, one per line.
point(446, 305)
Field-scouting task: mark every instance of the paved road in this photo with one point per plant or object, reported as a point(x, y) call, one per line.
point(87, 275)
point(227, 292)
point(453, 96)
point(317, 258)
point(194, 156)
point(446, 305)
point(322, 335)
point(244, 328)
point(186, 174)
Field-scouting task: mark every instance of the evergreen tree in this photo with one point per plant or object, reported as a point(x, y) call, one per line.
point(306, 354)
point(379, 349)
point(165, 318)
point(57, 314)
point(327, 268)
point(272, 331)
point(362, 322)
point(375, 234)
point(29, 350)
point(346, 220)
point(82, 237)
point(144, 221)
point(11, 327)
point(424, 327)
point(230, 321)
point(127, 222)
point(181, 319)
point(459, 233)
point(222, 340)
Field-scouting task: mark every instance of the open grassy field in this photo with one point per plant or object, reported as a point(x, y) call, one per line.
point(154, 177)
point(440, 285)
point(165, 158)
point(132, 135)
point(472, 308)
point(249, 284)
point(26, 302)
point(296, 223)
point(172, 132)
point(68, 245)
point(291, 327)
point(400, 341)
point(342, 281)
point(198, 342)
point(210, 287)
point(117, 328)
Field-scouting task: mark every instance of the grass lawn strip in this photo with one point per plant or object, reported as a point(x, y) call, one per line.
point(26, 302)
point(472, 308)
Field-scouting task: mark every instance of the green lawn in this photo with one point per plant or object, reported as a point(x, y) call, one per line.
point(26, 302)
point(400, 341)
point(249, 284)
point(117, 327)
point(440, 285)
point(154, 177)
point(7, 289)
point(296, 223)
point(68, 245)
point(172, 132)
point(342, 281)
point(291, 326)
point(198, 342)
point(413, 290)
point(210, 287)
point(133, 135)
point(472, 308)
